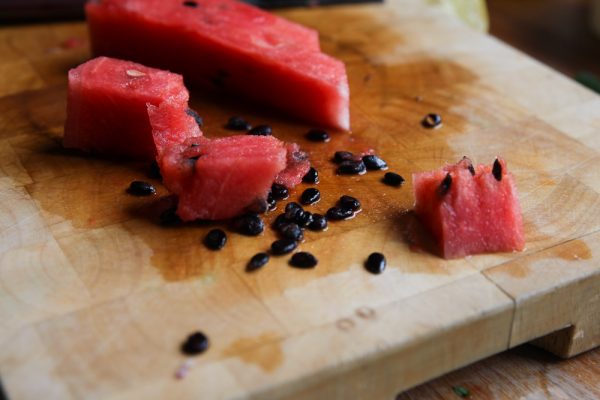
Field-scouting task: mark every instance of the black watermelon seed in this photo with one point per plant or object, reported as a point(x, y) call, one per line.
point(169, 217)
point(446, 184)
point(318, 223)
point(279, 192)
point(283, 246)
point(310, 196)
point(497, 170)
point(393, 179)
point(318, 135)
point(237, 123)
point(271, 203)
point(350, 203)
point(291, 230)
point(195, 115)
point(191, 4)
point(292, 206)
point(140, 188)
point(304, 260)
point(303, 218)
point(471, 169)
point(431, 121)
point(195, 344)
point(339, 213)
point(374, 163)
point(250, 224)
point(375, 264)
point(312, 176)
point(257, 261)
point(279, 221)
point(352, 168)
point(215, 239)
point(261, 130)
point(154, 171)
point(341, 156)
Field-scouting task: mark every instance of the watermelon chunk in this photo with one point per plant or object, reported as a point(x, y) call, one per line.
point(297, 166)
point(227, 45)
point(470, 210)
point(106, 106)
point(214, 178)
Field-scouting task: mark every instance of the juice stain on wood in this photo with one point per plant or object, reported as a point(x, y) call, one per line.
point(263, 351)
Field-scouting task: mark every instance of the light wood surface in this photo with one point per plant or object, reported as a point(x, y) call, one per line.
point(95, 296)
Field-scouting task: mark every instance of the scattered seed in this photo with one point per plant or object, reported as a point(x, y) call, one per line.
point(279, 221)
point(303, 218)
point(237, 123)
point(310, 196)
point(154, 171)
point(195, 344)
point(471, 169)
point(250, 224)
point(291, 230)
point(195, 115)
point(446, 184)
point(283, 246)
point(304, 260)
point(215, 239)
point(318, 135)
point(271, 202)
point(279, 192)
point(432, 121)
point(352, 168)
point(350, 203)
point(312, 176)
point(375, 264)
point(393, 179)
point(261, 130)
point(135, 73)
point(374, 163)
point(141, 188)
point(497, 170)
point(292, 205)
point(257, 261)
point(339, 213)
point(169, 217)
point(341, 156)
point(191, 4)
point(318, 223)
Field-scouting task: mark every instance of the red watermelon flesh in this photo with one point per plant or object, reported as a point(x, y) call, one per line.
point(171, 125)
point(213, 178)
point(221, 178)
point(474, 213)
point(106, 106)
point(231, 46)
point(297, 166)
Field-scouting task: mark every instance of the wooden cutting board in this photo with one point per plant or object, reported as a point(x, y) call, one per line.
point(96, 296)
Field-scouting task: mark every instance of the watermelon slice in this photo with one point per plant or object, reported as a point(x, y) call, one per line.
point(227, 45)
point(106, 107)
point(297, 166)
point(470, 210)
point(214, 178)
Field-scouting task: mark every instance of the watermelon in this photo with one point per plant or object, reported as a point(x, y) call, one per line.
point(296, 167)
point(106, 107)
point(470, 210)
point(214, 178)
point(230, 46)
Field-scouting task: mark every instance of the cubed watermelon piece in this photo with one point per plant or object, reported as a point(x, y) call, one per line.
point(470, 210)
point(227, 45)
point(106, 107)
point(297, 166)
point(215, 178)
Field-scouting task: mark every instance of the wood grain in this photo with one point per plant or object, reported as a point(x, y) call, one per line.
point(96, 296)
